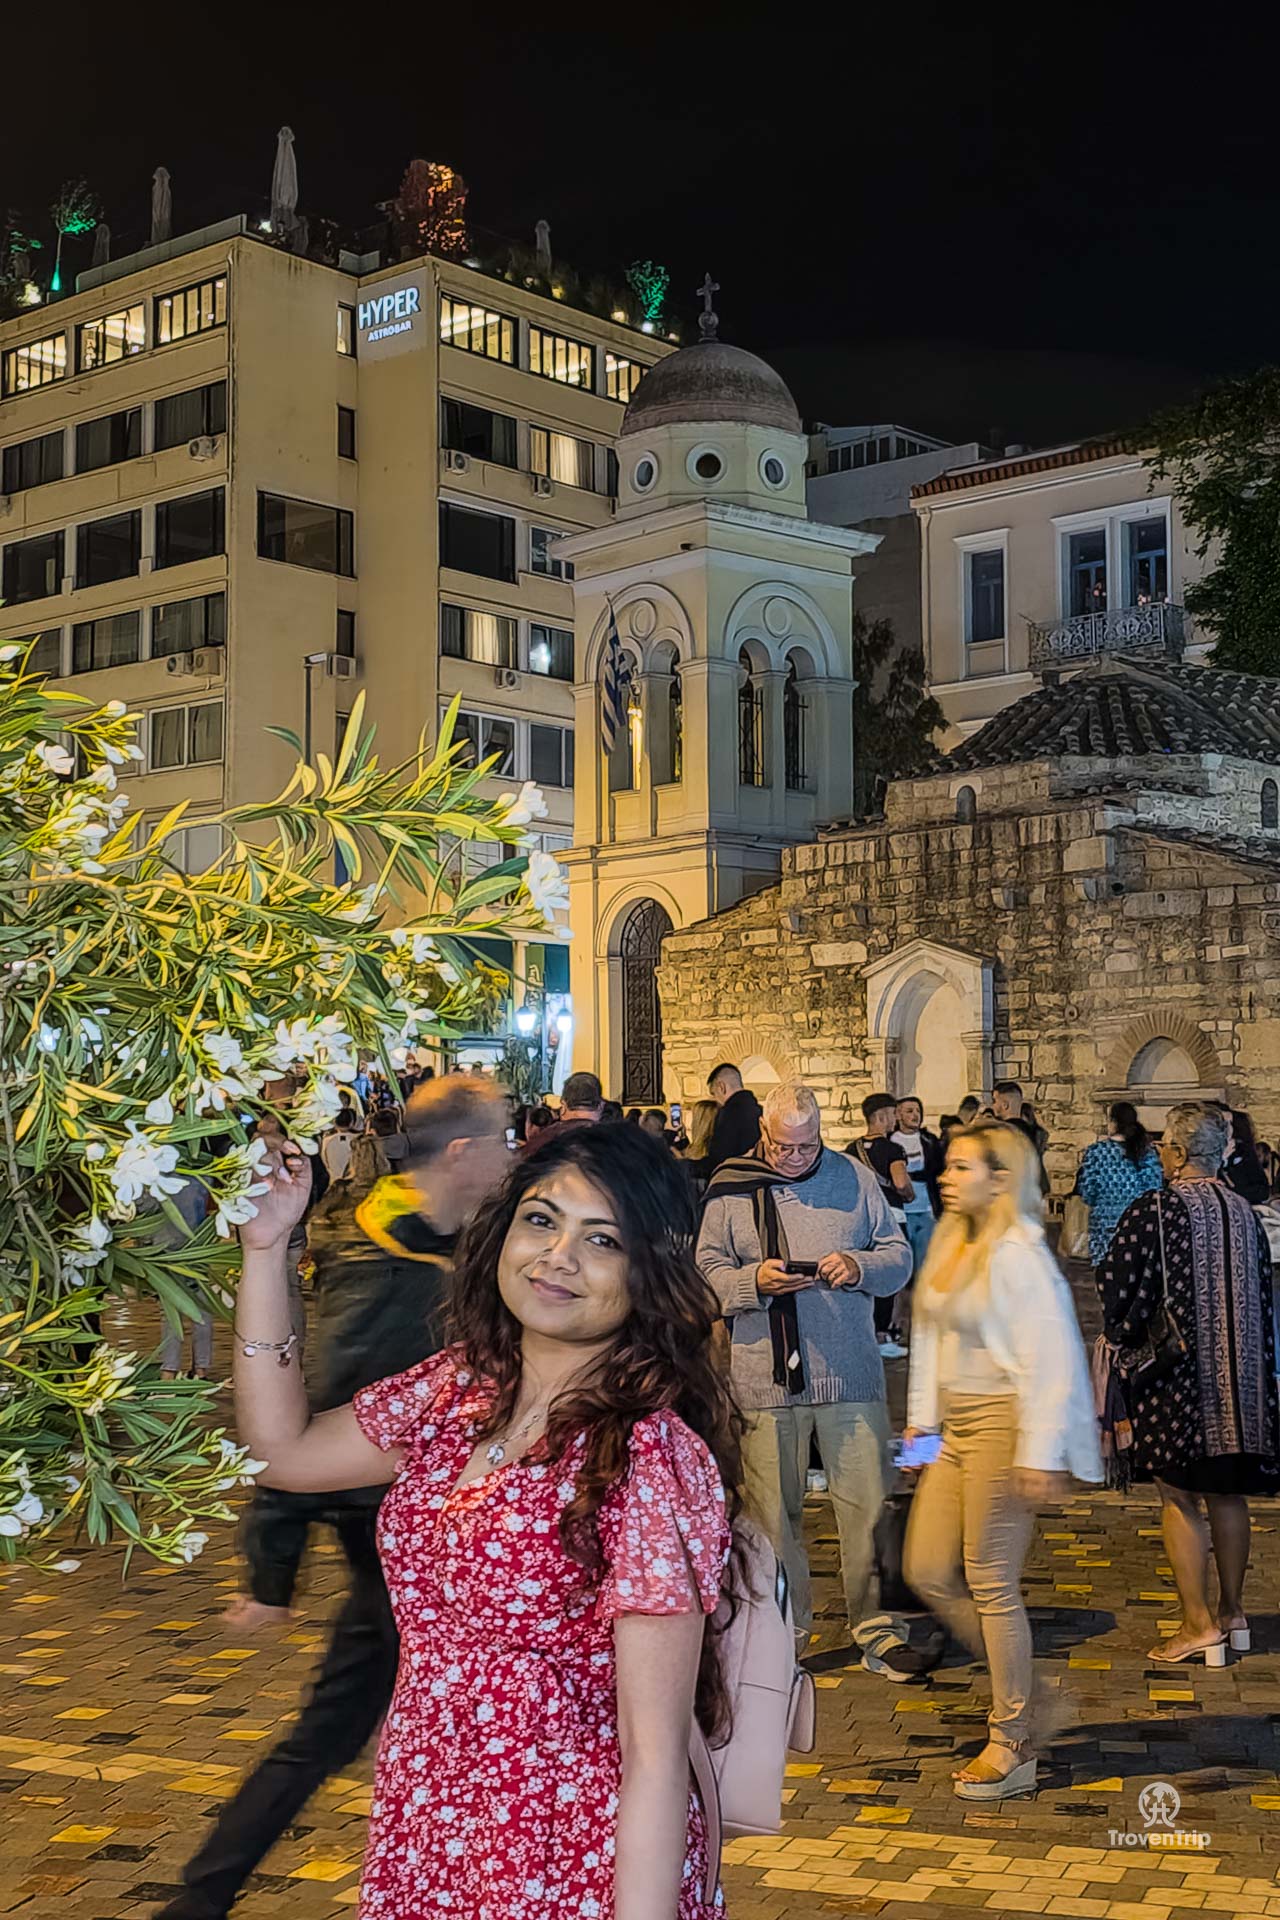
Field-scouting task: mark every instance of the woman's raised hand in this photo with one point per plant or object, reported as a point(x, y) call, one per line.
point(287, 1171)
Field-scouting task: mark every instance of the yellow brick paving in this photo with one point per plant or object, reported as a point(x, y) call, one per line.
point(109, 1776)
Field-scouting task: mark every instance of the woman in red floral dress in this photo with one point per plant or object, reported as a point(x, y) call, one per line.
point(558, 1527)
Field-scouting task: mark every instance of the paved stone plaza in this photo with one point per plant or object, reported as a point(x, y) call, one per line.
point(127, 1715)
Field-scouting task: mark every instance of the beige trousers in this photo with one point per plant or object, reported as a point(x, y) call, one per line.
point(966, 1542)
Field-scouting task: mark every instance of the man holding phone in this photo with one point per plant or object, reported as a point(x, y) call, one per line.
point(797, 1242)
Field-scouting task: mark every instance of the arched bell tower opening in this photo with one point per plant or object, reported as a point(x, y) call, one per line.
point(645, 927)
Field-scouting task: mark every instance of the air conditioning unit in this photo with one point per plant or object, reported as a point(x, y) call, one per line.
point(457, 462)
point(179, 663)
point(541, 484)
point(339, 666)
point(210, 661)
point(507, 678)
point(205, 448)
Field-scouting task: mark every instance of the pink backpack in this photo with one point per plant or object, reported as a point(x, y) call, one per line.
point(774, 1709)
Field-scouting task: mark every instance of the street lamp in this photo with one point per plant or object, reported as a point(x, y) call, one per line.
point(564, 1023)
point(526, 1021)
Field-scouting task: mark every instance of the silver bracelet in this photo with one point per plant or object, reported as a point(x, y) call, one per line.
point(283, 1349)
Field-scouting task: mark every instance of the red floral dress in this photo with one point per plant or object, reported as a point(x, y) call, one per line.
point(496, 1792)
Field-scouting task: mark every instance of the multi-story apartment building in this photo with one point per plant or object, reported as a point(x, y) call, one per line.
point(1038, 562)
point(239, 486)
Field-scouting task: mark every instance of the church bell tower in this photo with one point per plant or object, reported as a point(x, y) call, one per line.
point(712, 623)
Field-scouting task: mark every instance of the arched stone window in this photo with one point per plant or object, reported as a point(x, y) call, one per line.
point(623, 761)
point(751, 767)
point(795, 713)
point(966, 806)
point(640, 946)
point(1270, 805)
point(675, 722)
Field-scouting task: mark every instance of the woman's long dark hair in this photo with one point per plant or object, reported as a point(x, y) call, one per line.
point(661, 1356)
point(1133, 1135)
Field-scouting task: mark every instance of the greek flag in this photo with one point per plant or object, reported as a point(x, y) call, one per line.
point(615, 691)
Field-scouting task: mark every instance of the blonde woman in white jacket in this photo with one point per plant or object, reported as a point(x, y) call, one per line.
point(998, 1369)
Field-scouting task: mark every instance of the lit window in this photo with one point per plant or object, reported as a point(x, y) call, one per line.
point(191, 310)
point(542, 558)
point(304, 534)
point(38, 364)
point(347, 331)
point(468, 634)
point(551, 652)
point(110, 438)
point(32, 569)
point(195, 415)
point(192, 528)
point(551, 756)
point(1146, 549)
point(32, 463)
point(984, 614)
point(114, 641)
point(179, 626)
point(621, 377)
point(112, 337)
point(186, 736)
point(557, 358)
point(477, 330)
point(108, 549)
point(562, 457)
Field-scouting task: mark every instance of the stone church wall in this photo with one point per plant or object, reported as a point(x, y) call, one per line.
point(1098, 935)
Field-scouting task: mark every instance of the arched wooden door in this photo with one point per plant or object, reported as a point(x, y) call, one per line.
point(640, 944)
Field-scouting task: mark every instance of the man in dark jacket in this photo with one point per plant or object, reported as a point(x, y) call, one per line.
point(382, 1268)
point(737, 1128)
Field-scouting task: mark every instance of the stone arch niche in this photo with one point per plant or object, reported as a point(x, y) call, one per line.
point(1159, 1060)
point(929, 1024)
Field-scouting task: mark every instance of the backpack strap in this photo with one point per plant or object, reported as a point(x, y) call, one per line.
point(708, 1788)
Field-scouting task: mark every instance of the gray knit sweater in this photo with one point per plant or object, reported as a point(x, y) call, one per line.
point(839, 1210)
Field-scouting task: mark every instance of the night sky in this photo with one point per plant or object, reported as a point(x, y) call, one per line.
point(1039, 227)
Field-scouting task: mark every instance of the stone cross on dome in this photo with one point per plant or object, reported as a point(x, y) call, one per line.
point(708, 319)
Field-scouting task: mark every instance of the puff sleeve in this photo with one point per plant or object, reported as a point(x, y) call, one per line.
point(664, 1531)
point(407, 1406)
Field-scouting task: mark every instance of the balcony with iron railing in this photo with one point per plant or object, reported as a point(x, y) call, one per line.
point(1156, 629)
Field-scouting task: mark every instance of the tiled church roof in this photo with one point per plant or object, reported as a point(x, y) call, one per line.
point(1121, 709)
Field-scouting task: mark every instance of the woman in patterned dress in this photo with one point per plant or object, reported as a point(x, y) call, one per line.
point(1113, 1173)
point(564, 1485)
point(1207, 1429)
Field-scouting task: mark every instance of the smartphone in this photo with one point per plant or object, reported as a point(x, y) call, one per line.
point(677, 1114)
point(922, 1452)
point(809, 1267)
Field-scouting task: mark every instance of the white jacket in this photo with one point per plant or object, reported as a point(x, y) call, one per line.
point(1030, 1329)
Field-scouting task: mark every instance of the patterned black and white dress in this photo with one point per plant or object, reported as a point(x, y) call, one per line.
point(1211, 1424)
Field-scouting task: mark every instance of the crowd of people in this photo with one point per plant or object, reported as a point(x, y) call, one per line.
point(560, 1362)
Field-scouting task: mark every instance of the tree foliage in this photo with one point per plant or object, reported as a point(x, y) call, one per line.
point(1222, 457)
point(146, 1015)
point(894, 715)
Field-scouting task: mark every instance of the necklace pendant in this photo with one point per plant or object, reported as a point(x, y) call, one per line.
point(496, 1454)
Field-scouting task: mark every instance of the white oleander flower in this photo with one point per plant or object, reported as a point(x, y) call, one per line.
point(159, 1111)
point(521, 809)
point(191, 1544)
point(54, 758)
point(547, 885)
point(66, 1566)
point(143, 1165)
point(48, 1038)
point(90, 1240)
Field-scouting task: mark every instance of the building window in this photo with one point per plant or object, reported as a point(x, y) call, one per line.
point(106, 441)
point(477, 330)
point(1087, 571)
point(557, 358)
point(624, 758)
point(551, 652)
point(185, 736)
point(562, 457)
point(38, 364)
point(112, 337)
point(32, 569)
point(483, 543)
point(1146, 561)
point(191, 310)
point(1270, 805)
point(303, 534)
point(344, 640)
point(675, 723)
point(621, 377)
point(966, 807)
point(984, 613)
point(551, 756)
point(46, 649)
point(180, 626)
point(794, 716)
point(488, 733)
point(32, 463)
point(542, 557)
point(193, 415)
point(750, 727)
point(468, 634)
point(347, 331)
point(194, 848)
point(192, 528)
point(108, 550)
point(346, 433)
point(477, 432)
point(115, 641)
